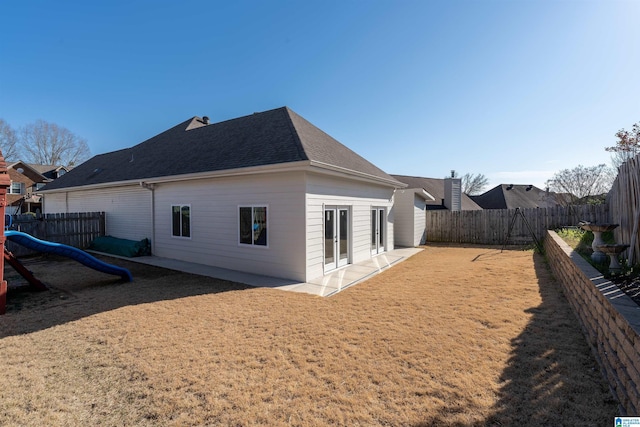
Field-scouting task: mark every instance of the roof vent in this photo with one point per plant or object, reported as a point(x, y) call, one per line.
point(205, 119)
point(529, 187)
point(510, 186)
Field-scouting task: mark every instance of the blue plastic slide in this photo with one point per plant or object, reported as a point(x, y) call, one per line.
point(76, 254)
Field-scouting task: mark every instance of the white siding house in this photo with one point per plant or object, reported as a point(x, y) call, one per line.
point(424, 194)
point(127, 208)
point(410, 216)
point(268, 194)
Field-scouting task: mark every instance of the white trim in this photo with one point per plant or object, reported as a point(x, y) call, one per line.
point(252, 206)
point(381, 227)
point(304, 165)
point(336, 264)
point(181, 205)
point(368, 177)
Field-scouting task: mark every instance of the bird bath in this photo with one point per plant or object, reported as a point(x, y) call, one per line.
point(613, 250)
point(597, 229)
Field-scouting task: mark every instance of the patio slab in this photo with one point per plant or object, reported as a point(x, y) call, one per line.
point(326, 285)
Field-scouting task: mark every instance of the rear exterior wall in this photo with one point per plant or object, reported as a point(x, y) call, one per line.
point(214, 215)
point(127, 209)
point(360, 198)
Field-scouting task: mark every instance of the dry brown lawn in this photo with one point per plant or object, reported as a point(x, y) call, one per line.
point(453, 336)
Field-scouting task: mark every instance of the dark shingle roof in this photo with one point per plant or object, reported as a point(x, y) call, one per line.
point(511, 196)
point(435, 187)
point(268, 138)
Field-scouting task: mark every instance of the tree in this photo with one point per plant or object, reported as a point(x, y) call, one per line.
point(8, 142)
point(581, 184)
point(472, 184)
point(627, 146)
point(49, 144)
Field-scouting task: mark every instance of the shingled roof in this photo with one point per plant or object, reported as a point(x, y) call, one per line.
point(435, 187)
point(272, 137)
point(512, 196)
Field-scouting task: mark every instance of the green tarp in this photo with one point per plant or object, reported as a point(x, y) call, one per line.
point(122, 247)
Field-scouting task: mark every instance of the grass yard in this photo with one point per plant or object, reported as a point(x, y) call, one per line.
point(453, 336)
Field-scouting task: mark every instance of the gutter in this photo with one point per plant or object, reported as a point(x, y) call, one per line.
point(304, 165)
point(368, 177)
point(151, 187)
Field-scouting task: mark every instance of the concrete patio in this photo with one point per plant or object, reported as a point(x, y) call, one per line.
point(325, 286)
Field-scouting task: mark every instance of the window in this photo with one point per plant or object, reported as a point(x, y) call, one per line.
point(253, 225)
point(181, 220)
point(16, 188)
point(38, 186)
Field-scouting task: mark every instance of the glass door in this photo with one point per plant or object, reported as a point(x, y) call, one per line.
point(343, 237)
point(378, 221)
point(336, 237)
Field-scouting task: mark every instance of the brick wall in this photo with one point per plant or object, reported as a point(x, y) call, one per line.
point(610, 320)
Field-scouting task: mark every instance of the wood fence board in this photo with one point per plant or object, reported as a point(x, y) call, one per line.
point(72, 229)
point(490, 226)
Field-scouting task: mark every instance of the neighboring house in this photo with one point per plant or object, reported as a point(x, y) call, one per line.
point(510, 196)
point(26, 181)
point(267, 193)
point(420, 195)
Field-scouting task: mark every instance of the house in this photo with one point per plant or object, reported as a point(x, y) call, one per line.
point(26, 181)
point(510, 196)
point(268, 193)
point(424, 194)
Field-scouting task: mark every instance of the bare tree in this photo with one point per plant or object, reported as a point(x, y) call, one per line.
point(627, 145)
point(472, 184)
point(8, 141)
point(49, 144)
point(581, 184)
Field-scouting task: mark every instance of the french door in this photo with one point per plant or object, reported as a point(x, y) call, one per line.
point(336, 237)
point(378, 231)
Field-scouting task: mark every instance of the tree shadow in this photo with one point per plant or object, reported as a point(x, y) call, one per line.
point(76, 291)
point(551, 377)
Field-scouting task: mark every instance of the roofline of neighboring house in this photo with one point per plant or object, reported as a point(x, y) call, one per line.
point(421, 192)
point(304, 165)
point(11, 166)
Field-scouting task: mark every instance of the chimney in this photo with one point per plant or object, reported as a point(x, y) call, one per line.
point(453, 194)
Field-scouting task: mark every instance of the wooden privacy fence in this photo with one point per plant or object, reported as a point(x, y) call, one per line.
point(490, 226)
point(624, 202)
point(73, 229)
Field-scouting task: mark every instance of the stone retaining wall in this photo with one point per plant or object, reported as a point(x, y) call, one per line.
point(609, 319)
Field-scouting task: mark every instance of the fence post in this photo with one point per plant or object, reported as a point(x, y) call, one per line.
point(5, 182)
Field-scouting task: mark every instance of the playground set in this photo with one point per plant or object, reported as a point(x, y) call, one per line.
point(38, 245)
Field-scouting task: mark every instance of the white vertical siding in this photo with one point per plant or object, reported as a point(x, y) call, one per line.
point(360, 197)
point(55, 203)
point(420, 221)
point(127, 209)
point(404, 221)
point(214, 223)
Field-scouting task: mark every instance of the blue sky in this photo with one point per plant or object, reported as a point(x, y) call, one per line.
point(516, 90)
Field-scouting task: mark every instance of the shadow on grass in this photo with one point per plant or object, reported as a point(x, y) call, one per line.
point(551, 377)
point(76, 291)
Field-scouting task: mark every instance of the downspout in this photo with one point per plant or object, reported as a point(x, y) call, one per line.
point(151, 187)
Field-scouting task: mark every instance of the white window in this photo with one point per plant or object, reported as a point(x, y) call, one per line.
point(253, 225)
point(181, 220)
point(16, 188)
